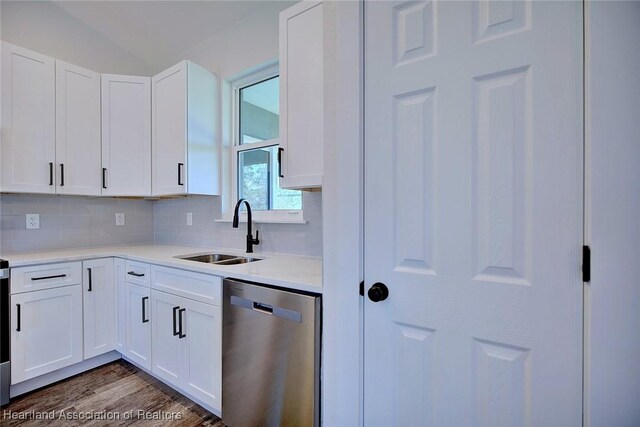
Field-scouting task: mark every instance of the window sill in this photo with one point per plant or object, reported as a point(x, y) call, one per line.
point(266, 221)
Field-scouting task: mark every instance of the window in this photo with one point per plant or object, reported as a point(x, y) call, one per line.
point(255, 150)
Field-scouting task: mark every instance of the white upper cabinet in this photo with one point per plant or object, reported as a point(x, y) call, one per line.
point(126, 135)
point(28, 121)
point(186, 151)
point(301, 95)
point(77, 130)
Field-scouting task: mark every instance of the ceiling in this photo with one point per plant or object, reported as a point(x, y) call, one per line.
point(157, 32)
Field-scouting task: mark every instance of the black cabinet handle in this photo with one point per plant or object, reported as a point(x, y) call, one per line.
point(182, 310)
point(58, 276)
point(18, 320)
point(104, 177)
point(61, 175)
point(133, 273)
point(90, 287)
point(176, 331)
point(144, 310)
point(180, 165)
point(50, 173)
point(280, 150)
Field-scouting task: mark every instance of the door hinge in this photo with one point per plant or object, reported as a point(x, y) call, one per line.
point(586, 264)
point(362, 288)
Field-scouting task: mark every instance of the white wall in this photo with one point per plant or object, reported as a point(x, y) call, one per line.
point(342, 205)
point(612, 370)
point(252, 41)
point(47, 29)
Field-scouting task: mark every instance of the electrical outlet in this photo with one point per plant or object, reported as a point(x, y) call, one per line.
point(119, 219)
point(189, 218)
point(33, 221)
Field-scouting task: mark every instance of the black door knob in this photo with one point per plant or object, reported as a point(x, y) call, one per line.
point(378, 292)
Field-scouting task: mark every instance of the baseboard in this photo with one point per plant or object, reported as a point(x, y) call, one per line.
point(61, 374)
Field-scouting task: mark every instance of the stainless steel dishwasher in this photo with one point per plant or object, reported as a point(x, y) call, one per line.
point(270, 356)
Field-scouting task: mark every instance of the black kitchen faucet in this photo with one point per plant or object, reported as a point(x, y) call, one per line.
point(250, 240)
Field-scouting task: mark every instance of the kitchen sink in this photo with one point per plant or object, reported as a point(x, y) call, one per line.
point(239, 260)
point(220, 259)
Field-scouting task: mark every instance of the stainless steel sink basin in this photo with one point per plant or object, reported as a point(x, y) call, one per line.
point(209, 258)
point(239, 260)
point(220, 259)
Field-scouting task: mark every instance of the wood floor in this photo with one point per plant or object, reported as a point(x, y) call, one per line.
point(118, 389)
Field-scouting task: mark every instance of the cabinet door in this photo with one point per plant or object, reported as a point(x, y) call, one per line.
point(169, 130)
point(46, 331)
point(98, 307)
point(126, 135)
point(120, 283)
point(202, 325)
point(138, 325)
point(165, 338)
point(28, 121)
point(301, 95)
point(77, 130)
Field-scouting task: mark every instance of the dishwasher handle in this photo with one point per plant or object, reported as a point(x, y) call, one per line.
point(263, 308)
point(269, 310)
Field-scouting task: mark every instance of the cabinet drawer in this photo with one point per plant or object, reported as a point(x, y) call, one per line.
point(138, 273)
point(47, 276)
point(196, 286)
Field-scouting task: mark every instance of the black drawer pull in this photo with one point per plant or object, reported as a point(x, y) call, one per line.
point(182, 310)
point(104, 177)
point(50, 173)
point(61, 175)
point(18, 322)
point(90, 287)
point(133, 273)
point(176, 331)
point(144, 310)
point(58, 276)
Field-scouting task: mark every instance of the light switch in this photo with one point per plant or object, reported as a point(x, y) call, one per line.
point(33, 221)
point(189, 218)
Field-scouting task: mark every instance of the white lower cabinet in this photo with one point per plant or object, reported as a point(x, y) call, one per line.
point(165, 337)
point(46, 332)
point(98, 307)
point(138, 325)
point(186, 344)
point(202, 352)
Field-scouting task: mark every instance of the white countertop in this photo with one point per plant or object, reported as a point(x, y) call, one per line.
point(289, 271)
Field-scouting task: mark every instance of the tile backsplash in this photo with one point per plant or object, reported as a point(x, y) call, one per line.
point(73, 222)
point(170, 224)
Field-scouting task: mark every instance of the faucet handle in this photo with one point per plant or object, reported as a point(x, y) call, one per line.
point(256, 241)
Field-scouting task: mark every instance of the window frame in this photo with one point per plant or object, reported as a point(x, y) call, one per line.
point(271, 215)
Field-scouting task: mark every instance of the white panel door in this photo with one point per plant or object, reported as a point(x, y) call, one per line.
point(98, 307)
point(202, 352)
point(138, 325)
point(126, 135)
point(78, 149)
point(27, 152)
point(166, 340)
point(46, 331)
point(169, 130)
point(473, 213)
point(120, 311)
